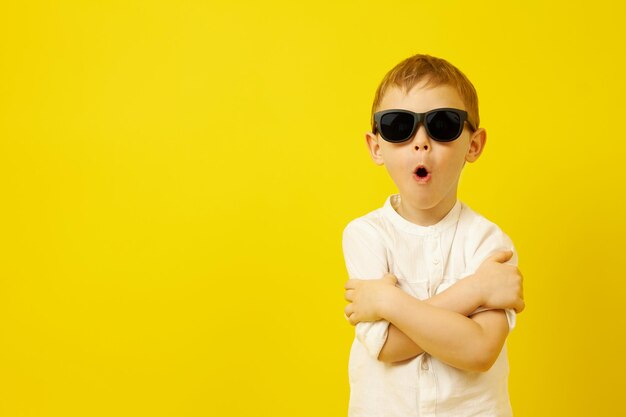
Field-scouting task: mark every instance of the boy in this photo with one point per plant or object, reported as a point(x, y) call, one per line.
point(430, 333)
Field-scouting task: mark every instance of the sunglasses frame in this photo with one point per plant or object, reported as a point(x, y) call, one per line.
point(421, 117)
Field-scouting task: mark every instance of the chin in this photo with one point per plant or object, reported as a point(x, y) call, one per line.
point(421, 201)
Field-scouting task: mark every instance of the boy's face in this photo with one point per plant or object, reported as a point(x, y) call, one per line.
point(443, 160)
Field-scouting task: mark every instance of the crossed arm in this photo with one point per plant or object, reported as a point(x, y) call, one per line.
point(440, 325)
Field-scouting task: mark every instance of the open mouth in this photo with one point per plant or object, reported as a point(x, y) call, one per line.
point(421, 172)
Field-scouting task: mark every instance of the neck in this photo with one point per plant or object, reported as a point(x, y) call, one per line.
point(425, 216)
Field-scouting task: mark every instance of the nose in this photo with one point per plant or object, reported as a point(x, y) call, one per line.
point(421, 140)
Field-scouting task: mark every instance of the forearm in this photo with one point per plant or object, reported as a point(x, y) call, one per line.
point(447, 335)
point(463, 298)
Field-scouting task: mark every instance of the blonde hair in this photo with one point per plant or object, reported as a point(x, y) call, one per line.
point(436, 71)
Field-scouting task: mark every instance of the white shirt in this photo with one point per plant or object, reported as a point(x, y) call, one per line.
point(426, 260)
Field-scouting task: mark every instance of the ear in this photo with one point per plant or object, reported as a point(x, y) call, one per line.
point(476, 145)
point(374, 147)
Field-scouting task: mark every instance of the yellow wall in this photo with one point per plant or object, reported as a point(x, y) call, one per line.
point(175, 178)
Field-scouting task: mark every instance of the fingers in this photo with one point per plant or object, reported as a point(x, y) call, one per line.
point(501, 256)
point(348, 312)
point(351, 284)
point(350, 319)
point(519, 304)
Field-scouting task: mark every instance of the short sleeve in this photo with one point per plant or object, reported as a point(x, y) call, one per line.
point(365, 257)
point(488, 239)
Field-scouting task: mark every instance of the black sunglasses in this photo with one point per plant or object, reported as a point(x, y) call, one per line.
point(442, 125)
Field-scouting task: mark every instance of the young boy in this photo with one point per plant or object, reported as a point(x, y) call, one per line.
point(430, 333)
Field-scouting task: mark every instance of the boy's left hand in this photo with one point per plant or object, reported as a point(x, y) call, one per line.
point(367, 297)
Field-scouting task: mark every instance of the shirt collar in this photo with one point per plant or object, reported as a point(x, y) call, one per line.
point(450, 219)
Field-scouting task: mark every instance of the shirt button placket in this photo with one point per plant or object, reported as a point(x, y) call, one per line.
point(428, 389)
point(436, 252)
point(436, 270)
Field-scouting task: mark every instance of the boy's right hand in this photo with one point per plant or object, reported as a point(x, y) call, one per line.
point(500, 284)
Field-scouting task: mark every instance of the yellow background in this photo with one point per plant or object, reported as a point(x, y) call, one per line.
point(176, 176)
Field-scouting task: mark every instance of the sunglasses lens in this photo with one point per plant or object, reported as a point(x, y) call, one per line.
point(396, 126)
point(444, 125)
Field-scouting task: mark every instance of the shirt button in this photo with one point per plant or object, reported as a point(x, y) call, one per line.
point(436, 261)
point(424, 365)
